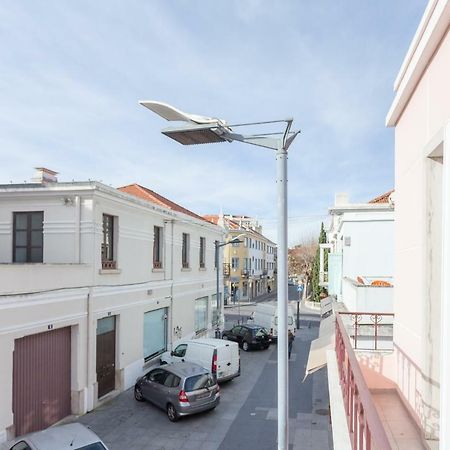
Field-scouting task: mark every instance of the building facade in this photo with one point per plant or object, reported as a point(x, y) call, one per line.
point(361, 253)
point(249, 265)
point(96, 283)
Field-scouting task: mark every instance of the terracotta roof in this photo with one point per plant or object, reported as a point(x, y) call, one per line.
point(147, 194)
point(383, 198)
point(214, 218)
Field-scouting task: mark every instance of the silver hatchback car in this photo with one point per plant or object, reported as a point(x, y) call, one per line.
point(180, 389)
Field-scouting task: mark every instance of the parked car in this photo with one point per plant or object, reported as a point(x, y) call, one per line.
point(180, 389)
point(73, 436)
point(217, 355)
point(266, 315)
point(248, 336)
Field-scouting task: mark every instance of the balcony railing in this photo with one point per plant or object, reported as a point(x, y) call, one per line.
point(157, 264)
point(369, 331)
point(226, 269)
point(185, 264)
point(109, 265)
point(364, 424)
point(245, 273)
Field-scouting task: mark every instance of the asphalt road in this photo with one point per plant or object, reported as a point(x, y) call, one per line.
point(245, 418)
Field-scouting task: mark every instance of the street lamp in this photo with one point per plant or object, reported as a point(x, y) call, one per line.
point(207, 130)
point(217, 246)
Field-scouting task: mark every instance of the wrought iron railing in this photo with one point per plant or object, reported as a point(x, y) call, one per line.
point(364, 425)
point(245, 273)
point(369, 331)
point(109, 265)
point(226, 269)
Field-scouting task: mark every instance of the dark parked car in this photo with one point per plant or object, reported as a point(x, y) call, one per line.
point(180, 389)
point(248, 336)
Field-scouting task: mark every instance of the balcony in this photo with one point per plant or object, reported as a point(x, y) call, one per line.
point(245, 273)
point(374, 412)
point(226, 269)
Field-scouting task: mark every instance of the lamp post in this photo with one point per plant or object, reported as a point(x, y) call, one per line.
point(217, 246)
point(206, 130)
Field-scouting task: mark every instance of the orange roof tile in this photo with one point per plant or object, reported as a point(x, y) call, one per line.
point(383, 198)
point(147, 194)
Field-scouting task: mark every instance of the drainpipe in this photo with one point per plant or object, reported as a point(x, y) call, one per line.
point(89, 356)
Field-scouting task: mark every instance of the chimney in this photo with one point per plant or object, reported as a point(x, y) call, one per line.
point(43, 175)
point(341, 198)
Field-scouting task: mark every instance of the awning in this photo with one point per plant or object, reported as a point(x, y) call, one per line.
point(326, 305)
point(318, 351)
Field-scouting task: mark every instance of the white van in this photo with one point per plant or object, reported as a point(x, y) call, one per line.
point(217, 355)
point(266, 315)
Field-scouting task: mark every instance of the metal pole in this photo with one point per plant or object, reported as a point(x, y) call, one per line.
point(217, 332)
point(298, 313)
point(283, 381)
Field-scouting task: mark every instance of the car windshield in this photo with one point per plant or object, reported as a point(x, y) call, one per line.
point(198, 382)
point(290, 321)
point(94, 446)
point(260, 332)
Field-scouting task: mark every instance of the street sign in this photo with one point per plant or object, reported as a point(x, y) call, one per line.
point(300, 288)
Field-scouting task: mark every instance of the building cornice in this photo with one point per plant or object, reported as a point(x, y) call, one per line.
point(432, 28)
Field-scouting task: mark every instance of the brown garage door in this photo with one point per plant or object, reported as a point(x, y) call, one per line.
point(41, 380)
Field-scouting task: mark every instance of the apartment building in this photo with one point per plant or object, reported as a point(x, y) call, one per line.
point(249, 265)
point(96, 282)
point(360, 246)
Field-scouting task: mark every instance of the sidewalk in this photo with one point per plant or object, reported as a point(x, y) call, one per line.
point(260, 298)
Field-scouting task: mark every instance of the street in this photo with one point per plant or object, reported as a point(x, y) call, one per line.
point(246, 416)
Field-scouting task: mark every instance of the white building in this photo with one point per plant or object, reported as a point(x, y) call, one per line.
point(361, 246)
point(95, 283)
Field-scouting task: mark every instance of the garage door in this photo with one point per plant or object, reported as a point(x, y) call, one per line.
point(41, 380)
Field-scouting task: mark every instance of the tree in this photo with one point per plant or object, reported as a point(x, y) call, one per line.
point(316, 288)
point(301, 260)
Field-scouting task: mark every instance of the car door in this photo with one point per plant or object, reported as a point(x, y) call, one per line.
point(245, 335)
point(152, 387)
point(235, 334)
point(179, 353)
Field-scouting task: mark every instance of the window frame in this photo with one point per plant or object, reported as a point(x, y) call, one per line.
point(185, 250)
point(108, 249)
point(202, 253)
point(158, 247)
point(29, 229)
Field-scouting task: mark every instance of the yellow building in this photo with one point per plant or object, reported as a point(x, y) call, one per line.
point(249, 266)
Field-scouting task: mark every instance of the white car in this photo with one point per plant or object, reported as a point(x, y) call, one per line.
point(266, 315)
point(73, 436)
point(219, 356)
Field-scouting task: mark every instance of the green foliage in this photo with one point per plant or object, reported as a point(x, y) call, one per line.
point(316, 289)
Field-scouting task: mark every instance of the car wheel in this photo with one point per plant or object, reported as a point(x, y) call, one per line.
point(172, 413)
point(138, 394)
point(245, 346)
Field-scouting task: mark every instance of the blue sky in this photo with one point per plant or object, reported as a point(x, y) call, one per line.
point(72, 72)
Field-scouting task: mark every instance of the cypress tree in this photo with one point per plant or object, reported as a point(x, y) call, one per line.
point(316, 289)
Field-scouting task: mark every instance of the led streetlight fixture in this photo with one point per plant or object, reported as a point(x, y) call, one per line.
point(206, 130)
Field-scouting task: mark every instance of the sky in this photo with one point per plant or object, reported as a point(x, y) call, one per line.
point(72, 73)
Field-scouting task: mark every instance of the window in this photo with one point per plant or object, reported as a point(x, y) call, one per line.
point(198, 382)
point(172, 381)
point(28, 237)
point(155, 333)
point(201, 314)
point(157, 247)
point(108, 250)
point(158, 376)
point(185, 251)
point(202, 252)
point(22, 445)
point(246, 242)
point(180, 351)
point(235, 263)
point(244, 290)
point(216, 249)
